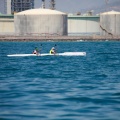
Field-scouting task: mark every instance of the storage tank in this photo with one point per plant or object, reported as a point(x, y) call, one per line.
point(40, 22)
point(110, 23)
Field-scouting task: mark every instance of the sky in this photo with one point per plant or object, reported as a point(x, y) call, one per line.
point(74, 6)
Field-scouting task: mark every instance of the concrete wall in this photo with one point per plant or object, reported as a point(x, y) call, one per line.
point(83, 25)
point(6, 25)
point(76, 25)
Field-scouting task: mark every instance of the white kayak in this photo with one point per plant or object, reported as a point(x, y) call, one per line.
point(47, 54)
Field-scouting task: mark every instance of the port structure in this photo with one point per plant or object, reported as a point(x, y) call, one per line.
point(21, 5)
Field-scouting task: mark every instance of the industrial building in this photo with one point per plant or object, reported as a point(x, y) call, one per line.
point(5, 6)
point(48, 22)
point(21, 5)
point(14, 6)
point(40, 22)
point(83, 25)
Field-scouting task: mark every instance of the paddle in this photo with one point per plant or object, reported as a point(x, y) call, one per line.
point(55, 48)
point(40, 48)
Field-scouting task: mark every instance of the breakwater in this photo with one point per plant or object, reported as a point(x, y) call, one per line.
point(57, 38)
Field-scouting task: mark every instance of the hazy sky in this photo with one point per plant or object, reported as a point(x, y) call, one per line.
point(73, 6)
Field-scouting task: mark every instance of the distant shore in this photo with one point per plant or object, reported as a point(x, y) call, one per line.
point(58, 38)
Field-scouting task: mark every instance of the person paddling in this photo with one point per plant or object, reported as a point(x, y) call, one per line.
point(36, 51)
point(53, 51)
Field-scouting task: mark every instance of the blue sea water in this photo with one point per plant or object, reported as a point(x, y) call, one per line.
point(60, 87)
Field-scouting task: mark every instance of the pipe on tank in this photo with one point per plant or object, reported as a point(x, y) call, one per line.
point(52, 4)
point(43, 4)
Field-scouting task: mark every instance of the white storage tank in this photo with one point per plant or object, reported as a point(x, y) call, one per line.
point(40, 22)
point(110, 23)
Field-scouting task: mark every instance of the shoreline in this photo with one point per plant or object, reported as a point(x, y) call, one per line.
point(59, 38)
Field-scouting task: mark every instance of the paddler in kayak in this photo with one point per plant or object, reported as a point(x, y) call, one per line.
point(36, 51)
point(53, 51)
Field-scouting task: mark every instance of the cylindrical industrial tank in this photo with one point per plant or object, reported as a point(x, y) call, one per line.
point(110, 23)
point(40, 22)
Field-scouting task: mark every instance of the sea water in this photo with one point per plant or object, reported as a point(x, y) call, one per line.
point(60, 87)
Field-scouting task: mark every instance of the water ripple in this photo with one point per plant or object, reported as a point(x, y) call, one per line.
point(60, 88)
